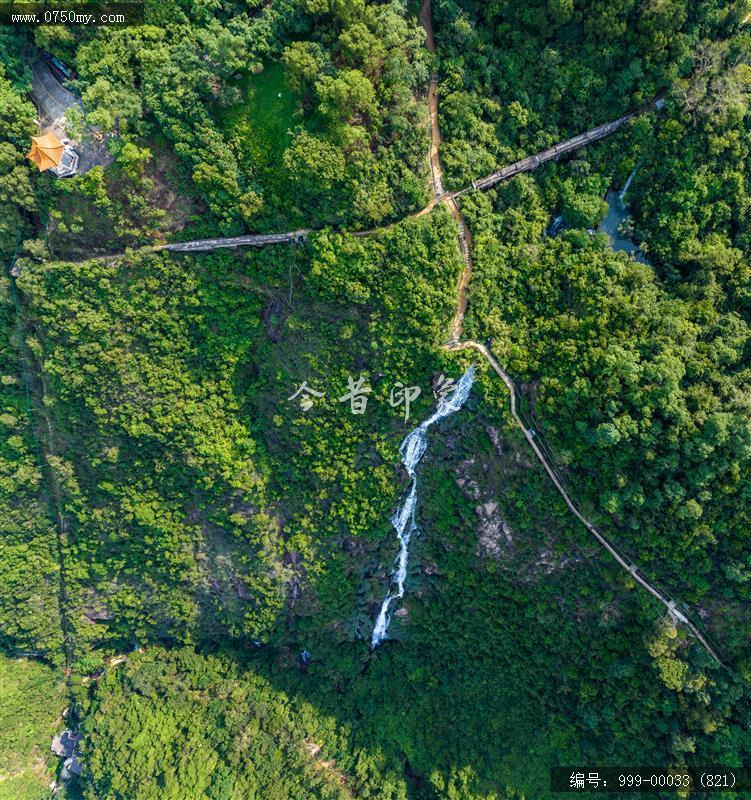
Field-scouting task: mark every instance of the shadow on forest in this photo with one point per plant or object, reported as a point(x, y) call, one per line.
point(503, 668)
point(505, 665)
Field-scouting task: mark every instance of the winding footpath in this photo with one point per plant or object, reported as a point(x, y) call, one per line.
point(455, 343)
point(550, 468)
point(36, 408)
point(465, 236)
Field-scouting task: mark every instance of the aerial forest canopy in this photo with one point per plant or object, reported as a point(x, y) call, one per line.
point(196, 530)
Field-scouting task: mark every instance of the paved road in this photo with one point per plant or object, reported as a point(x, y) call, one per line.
point(52, 100)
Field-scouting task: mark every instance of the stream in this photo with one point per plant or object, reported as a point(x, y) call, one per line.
point(612, 224)
point(617, 214)
point(412, 450)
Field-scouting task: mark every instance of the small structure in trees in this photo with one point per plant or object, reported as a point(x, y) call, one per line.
point(56, 106)
point(49, 153)
point(64, 744)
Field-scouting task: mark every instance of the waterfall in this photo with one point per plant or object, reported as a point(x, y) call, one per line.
point(412, 450)
point(554, 227)
point(622, 193)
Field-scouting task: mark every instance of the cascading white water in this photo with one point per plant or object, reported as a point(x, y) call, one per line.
point(412, 450)
point(622, 193)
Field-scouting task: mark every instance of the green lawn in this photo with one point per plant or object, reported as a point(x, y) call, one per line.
point(259, 130)
point(31, 700)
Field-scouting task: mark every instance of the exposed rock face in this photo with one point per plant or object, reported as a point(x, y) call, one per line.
point(517, 458)
point(65, 745)
point(72, 766)
point(352, 545)
point(240, 588)
point(273, 319)
point(465, 482)
point(313, 748)
point(531, 552)
point(98, 615)
point(493, 533)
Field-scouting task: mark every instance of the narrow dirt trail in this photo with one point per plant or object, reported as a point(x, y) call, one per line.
point(426, 19)
point(465, 235)
point(435, 137)
point(36, 402)
point(454, 344)
point(465, 245)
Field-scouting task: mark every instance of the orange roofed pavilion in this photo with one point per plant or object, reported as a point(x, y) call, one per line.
point(46, 151)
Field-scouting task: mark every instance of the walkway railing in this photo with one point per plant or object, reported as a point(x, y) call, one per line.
point(678, 612)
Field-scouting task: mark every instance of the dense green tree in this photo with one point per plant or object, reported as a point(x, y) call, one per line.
point(165, 491)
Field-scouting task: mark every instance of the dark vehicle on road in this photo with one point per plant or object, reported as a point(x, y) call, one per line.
point(59, 69)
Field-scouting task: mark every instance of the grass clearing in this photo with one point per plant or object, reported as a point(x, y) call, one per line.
point(258, 128)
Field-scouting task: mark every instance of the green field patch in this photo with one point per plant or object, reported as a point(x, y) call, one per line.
point(259, 129)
